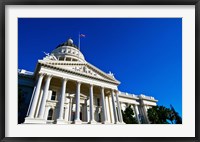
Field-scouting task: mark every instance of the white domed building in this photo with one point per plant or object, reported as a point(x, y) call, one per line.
point(69, 90)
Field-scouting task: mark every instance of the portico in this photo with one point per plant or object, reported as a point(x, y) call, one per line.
point(88, 97)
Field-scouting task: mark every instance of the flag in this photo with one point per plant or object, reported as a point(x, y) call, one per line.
point(82, 35)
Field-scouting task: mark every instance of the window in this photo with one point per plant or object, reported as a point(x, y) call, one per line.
point(68, 59)
point(99, 117)
point(61, 58)
point(98, 102)
point(62, 51)
point(53, 96)
point(50, 115)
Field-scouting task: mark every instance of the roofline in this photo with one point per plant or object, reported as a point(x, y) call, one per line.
point(100, 71)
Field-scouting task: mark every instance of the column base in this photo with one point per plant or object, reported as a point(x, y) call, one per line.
point(118, 122)
point(61, 121)
point(29, 120)
point(70, 122)
point(92, 122)
point(77, 122)
point(105, 122)
point(121, 123)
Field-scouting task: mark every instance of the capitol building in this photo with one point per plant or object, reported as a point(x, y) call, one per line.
point(66, 89)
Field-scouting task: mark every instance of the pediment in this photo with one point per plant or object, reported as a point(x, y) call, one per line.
point(85, 69)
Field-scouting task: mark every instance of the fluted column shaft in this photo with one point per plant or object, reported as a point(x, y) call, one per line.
point(103, 105)
point(119, 108)
point(36, 96)
point(77, 113)
point(44, 97)
point(137, 113)
point(62, 98)
point(86, 111)
point(145, 114)
point(70, 109)
point(114, 107)
point(91, 104)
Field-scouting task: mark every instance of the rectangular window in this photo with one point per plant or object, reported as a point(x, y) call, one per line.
point(98, 102)
point(53, 96)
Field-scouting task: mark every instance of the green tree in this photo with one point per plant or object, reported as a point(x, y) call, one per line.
point(158, 115)
point(20, 99)
point(128, 116)
point(163, 115)
point(21, 105)
point(177, 118)
point(153, 115)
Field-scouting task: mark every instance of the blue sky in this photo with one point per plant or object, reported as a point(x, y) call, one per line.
point(145, 54)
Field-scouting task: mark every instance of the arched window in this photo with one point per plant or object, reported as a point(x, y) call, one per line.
point(50, 115)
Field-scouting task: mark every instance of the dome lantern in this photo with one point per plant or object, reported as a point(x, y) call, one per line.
point(70, 41)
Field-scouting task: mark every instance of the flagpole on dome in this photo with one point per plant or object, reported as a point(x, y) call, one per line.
point(79, 41)
point(78, 44)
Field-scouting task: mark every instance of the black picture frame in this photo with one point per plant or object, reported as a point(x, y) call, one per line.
point(99, 2)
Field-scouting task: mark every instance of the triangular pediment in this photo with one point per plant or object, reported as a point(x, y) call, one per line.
point(82, 68)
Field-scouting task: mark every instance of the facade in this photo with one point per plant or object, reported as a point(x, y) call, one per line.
point(69, 90)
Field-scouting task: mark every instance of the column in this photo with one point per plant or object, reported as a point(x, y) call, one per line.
point(66, 110)
point(86, 111)
point(137, 113)
point(39, 102)
point(146, 114)
point(114, 107)
point(36, 96)
point(31, 101)
point(103, 105)
point(119, 108)
point(62, 101)
point(91, 105)
point(44, 97)
point(77, 113)
point(50, 94)
point(108, 109)
point(112, 119)
point(70, 109)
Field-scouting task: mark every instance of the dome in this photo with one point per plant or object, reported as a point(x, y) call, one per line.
point(68, 51)
point(69, 42)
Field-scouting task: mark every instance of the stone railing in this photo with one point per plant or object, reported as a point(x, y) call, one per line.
point(127, 94)
point(146, 97)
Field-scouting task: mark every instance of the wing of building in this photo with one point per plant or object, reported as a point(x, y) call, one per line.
point(66, 89)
